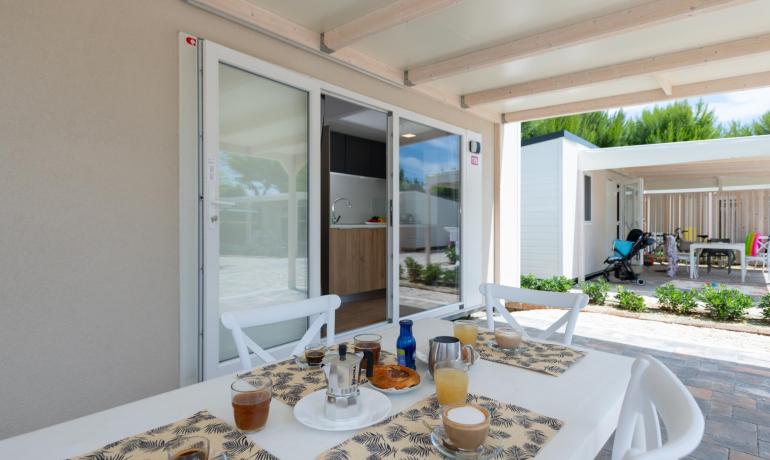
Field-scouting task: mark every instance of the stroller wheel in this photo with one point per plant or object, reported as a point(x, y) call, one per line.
point(640, 282)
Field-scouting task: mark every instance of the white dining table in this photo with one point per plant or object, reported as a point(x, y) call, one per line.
point(587, 398)
point(695, 247)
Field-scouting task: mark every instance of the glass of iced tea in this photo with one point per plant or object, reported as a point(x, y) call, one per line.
point(188, 448)
point(371, 342)
point(451, 378)
point(467, 331)
point(251, 402)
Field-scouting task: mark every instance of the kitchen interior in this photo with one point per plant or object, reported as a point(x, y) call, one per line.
point(354, 197)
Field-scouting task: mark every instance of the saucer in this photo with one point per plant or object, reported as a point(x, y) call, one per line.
point(441, 443)
point(309, 411)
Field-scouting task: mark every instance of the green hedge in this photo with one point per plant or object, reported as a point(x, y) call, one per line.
point(553, 284)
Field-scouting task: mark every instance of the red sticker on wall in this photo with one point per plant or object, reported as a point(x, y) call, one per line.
point(191, 41)
point(474, 159)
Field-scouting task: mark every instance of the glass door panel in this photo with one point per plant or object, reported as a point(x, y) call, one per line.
point(429, 217)
point(258, 204)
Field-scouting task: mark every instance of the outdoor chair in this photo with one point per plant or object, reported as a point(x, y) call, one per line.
point(495, 296)
point(654, 395)
point(763, 254)
point(237, 321)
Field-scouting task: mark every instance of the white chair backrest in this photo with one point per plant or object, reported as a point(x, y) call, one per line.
point(656, 395)
point(237, 321)
point(495, 296)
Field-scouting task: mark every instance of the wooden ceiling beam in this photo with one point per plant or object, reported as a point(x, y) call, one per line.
point(379, 20)
point(738, 83)
point(650, 65)
point(647, 14)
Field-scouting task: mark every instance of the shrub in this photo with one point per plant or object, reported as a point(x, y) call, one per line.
point(530, 281)
point(400, 271)
point(449, 277)
point(676, 300)
point(431, 273)
point(630, 300)
point(725, 304)
point(413, 270)
point(764, 304)
point(451, 254)
point(596, 291)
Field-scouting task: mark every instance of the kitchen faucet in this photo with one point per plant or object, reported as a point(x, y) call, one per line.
point(335, 217)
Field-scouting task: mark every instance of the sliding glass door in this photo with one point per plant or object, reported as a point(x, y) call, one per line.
point(429, 201)
point(256, 151)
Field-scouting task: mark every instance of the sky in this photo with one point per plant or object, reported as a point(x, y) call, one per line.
point(744, 106)
point(429, 157)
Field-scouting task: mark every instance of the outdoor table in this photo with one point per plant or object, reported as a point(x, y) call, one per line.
point(694, 247)
point(587, 398)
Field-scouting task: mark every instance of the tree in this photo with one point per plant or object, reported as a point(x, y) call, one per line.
point(674, 123)
point(599, 128)
point(737, 129)
point(762, 125)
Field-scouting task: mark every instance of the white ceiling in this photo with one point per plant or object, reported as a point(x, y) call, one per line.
point(470, 25)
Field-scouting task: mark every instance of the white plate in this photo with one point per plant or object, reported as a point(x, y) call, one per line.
point(375, 407)
point(395, 391)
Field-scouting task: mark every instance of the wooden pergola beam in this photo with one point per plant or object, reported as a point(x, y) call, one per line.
point(379, 20)
point(738, 83)
point(654, 12)
point(644, 66)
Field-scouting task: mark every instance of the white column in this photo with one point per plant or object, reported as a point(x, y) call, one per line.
point(509, 250)
point(580, 219)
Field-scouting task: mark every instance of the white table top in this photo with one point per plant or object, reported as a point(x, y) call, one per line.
point(733, 246)
point(587, 398)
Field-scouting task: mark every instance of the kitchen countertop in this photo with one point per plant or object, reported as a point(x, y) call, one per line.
point(346, 226)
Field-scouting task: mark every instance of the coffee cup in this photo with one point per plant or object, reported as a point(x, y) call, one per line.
point(507, 338)
point(466, 425)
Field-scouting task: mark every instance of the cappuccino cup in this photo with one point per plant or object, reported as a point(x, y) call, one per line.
point(466, 425)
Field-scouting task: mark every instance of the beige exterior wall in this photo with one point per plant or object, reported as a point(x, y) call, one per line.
point(89, 272)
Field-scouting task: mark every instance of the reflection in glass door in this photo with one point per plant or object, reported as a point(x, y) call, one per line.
point(256, 226)
point(429, 218)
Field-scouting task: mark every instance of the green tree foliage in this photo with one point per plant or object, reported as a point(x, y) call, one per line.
point(680, 121)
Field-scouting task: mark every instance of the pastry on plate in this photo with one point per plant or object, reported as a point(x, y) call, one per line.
point(394, 376)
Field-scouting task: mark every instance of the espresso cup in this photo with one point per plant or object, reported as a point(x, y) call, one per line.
point(314, 354)
point(188, 448)
point(466, 425)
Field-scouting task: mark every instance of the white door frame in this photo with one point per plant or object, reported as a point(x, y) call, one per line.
point(212, 55)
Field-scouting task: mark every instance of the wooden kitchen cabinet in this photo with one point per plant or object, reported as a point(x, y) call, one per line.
point(357, 260)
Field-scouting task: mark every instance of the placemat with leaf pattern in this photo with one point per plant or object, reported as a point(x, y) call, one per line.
point(519, 432)
point(293, 381)
point(548, 358)
point(151, 444)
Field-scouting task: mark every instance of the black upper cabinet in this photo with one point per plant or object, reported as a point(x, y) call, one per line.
point(357, 156)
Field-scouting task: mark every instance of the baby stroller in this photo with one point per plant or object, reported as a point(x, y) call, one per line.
point(619, 263)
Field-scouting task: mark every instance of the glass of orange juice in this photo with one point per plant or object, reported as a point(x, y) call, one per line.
point(451, 379)
point(467, 331)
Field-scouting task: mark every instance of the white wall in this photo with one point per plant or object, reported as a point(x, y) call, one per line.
point(368, 197)
point(89, 188)
point(541, 208)
point(600, 232)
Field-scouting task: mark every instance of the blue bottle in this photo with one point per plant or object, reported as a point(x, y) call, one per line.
point(406, 344)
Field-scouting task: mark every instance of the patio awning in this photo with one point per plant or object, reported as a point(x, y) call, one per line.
point(530, 59)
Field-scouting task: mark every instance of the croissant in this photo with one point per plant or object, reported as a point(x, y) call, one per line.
point(394, 376)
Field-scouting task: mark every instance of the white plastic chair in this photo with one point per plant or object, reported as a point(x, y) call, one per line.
point(763, 254)
point(495, 296)
point(236, 321)
point(656, 395)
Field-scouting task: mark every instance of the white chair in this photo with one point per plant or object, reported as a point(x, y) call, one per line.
point(495, 296)
point(236, 321)
point(656, 395)
point(763, 254)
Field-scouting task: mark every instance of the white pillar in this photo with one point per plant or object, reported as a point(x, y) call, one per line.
point(580, 219)
point(509, 203)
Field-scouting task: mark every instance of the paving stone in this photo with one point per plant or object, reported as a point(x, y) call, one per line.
point(720, 409)
point(752, 390)
point(737, 455)
point(700, 393)
point(764, 433)
point(735, 434)
point(710, 451)
point(757, 416)
point(734, 400)
point(701, 382)
point(764, 449)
